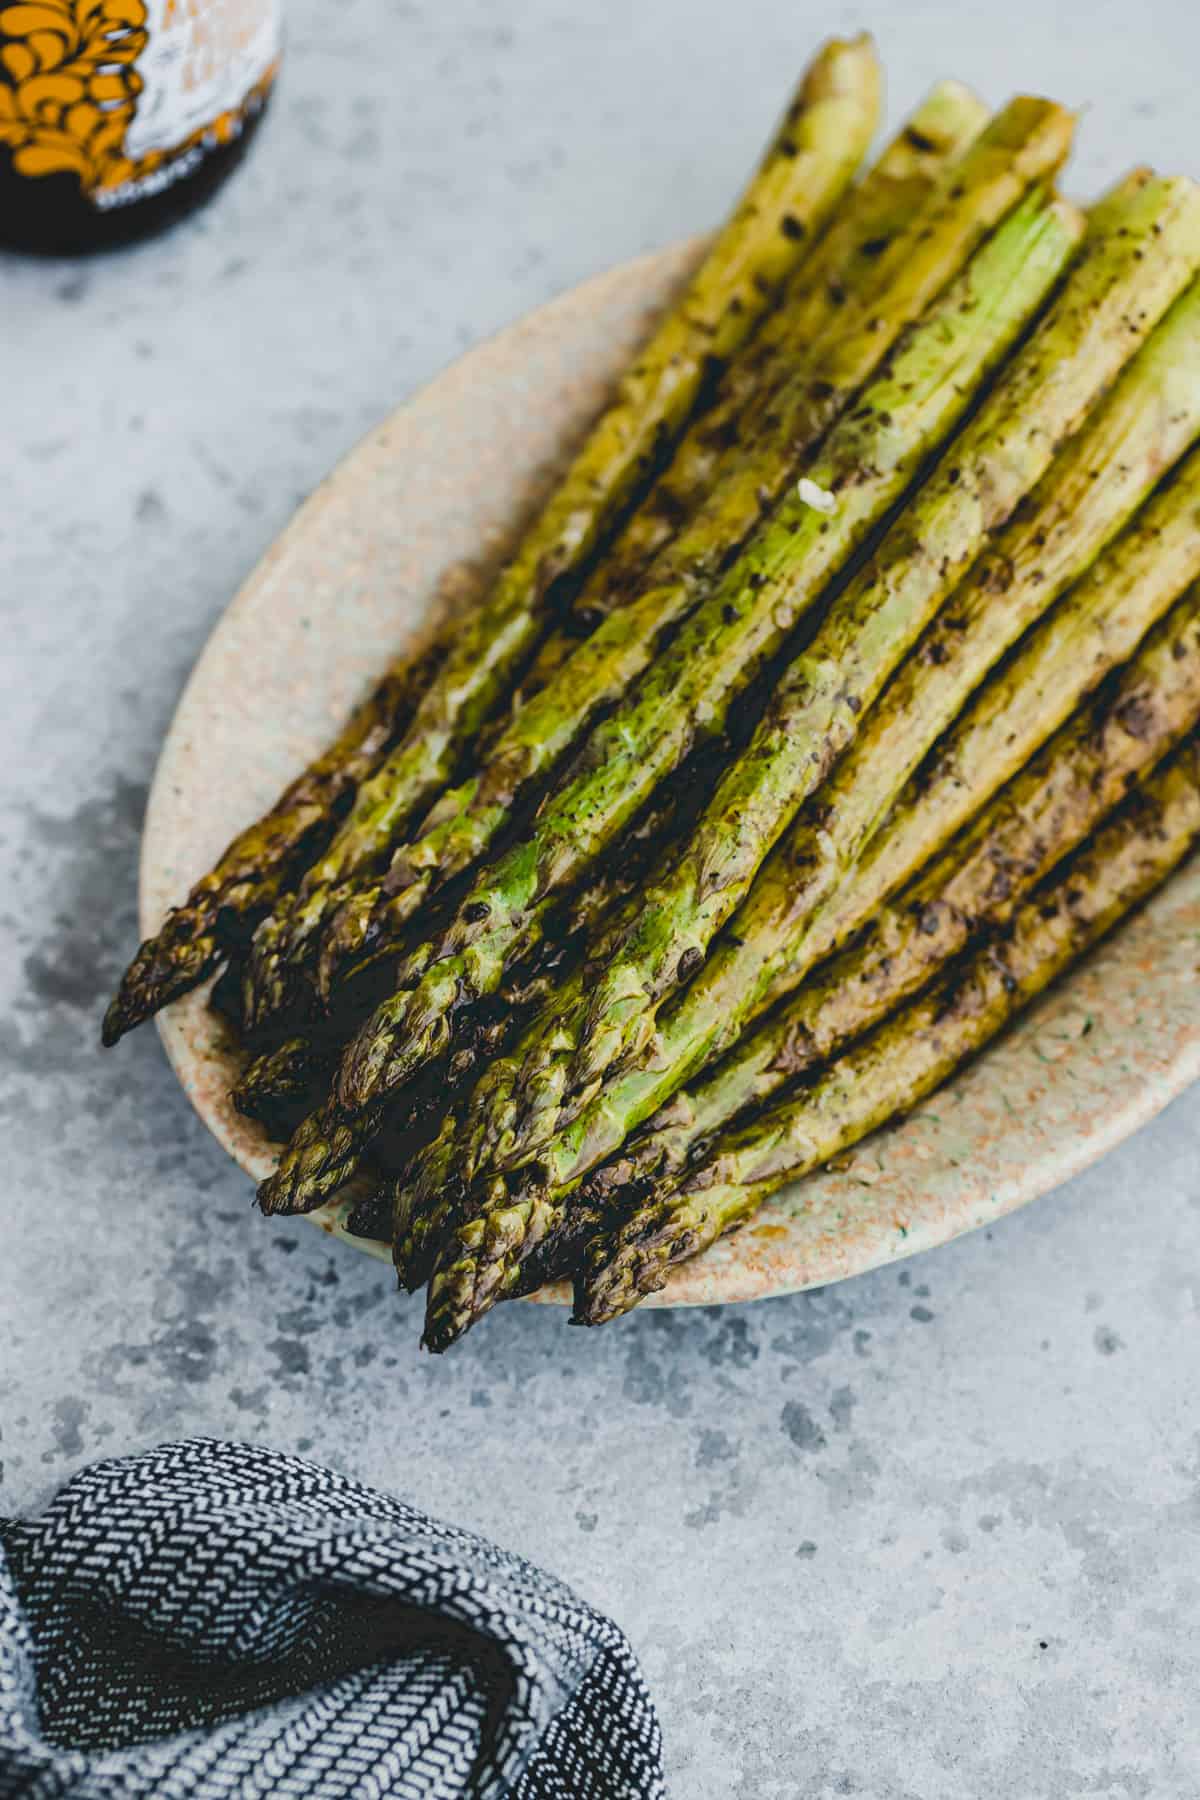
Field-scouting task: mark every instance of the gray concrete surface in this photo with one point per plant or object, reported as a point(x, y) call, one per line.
point(934, 1533)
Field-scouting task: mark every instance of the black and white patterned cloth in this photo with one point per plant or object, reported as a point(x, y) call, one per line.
point(213, 1621)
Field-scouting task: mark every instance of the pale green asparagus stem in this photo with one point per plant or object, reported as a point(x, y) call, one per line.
point(904, 1060)
point(1040, 817)
point(776, 937)
point(1086, 496)
point(807, 167)
point(862, 249)
point(819, 706)
point(870, 459)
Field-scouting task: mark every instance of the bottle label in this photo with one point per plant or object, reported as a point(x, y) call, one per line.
point(130, 95)
point(200, 63)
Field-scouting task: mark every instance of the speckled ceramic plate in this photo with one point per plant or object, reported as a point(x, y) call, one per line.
point(409, 526)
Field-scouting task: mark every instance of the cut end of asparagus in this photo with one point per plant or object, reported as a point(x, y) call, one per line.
point(843, 69)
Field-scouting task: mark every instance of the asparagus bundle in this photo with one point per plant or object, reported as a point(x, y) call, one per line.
point(807, 167)
point(1028, 140)
point(769, 761)
point(899, 1064)
point(1009, 444)
point(688, 689)
point(584, 929)
point(1039, 818)
point(1148, 422)
point(1152, 414)
point(843, 267)
point(777, 937)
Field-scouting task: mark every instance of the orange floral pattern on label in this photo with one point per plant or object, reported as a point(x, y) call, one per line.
point(69, 88)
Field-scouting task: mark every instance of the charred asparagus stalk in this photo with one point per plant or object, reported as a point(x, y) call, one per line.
point(843, 266)
point(275, 1082)
point(806, 169)
point(257, 866)
point(777, 937)
point(687, 692)
point(1086, 495)
point(420, 1199)
point(904, 1060)
point(1038, 819)
point(1026, 139)
point(1096, 627)
point(689, 688)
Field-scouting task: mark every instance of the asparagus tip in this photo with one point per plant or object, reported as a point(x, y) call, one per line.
point(606, 1294)
point(117, 1021)
point(165, 968)
point(322, 1155)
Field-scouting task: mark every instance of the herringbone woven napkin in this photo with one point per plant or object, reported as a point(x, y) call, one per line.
point(215, 1621)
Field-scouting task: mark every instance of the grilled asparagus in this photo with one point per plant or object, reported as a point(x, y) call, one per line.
point(898, 1065)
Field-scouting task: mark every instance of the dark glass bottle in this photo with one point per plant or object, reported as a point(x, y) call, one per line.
point(118, 116)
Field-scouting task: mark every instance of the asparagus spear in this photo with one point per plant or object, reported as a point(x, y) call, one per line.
point(1088, 493)
point(259, 863)
point(807, 167)
point(1039, 818)
point(279, 1086)
point(777, 937)
point(904, 1060)
point(686, 693)
point(1028, 138)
